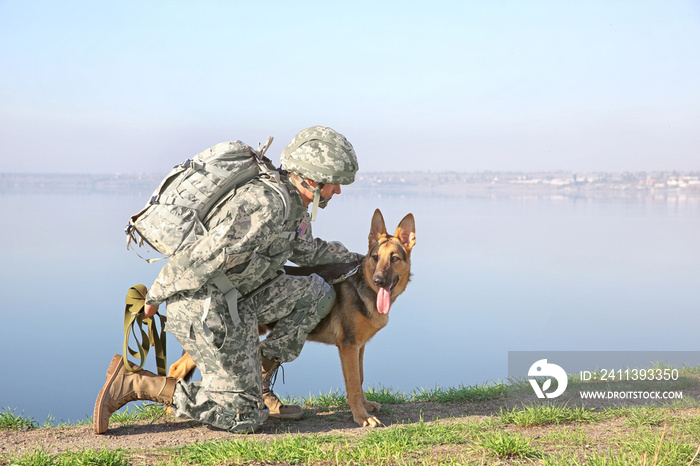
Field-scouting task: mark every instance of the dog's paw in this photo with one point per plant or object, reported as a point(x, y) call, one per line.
point(372, 407)
point(372, 421)
point(366, 420)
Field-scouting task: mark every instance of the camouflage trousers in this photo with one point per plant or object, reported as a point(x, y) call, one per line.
point(229, 396)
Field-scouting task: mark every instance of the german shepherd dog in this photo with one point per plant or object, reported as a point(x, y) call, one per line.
point(361, 307)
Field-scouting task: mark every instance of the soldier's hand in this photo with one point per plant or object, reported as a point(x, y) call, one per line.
point(150, 310)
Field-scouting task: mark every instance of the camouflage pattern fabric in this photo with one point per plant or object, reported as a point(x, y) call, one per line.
point(249, 242)
point(292, 303)
point(321, 154)
point(229, 395)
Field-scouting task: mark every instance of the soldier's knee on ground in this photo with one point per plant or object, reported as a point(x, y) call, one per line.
point(240, 423)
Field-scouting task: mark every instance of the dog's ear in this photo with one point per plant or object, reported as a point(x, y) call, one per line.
point(406, 232)
point(378, 230)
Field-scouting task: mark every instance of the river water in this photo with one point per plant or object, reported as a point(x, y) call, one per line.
point(490, 275)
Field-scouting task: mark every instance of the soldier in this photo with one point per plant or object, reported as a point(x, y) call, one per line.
point(249, 241)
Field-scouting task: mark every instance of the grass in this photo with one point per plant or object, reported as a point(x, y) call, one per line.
point(508, 446)
point(461, 394)
point(549, 413)
point(657, 450)
point(512, 431)
point(129, 415)
point(83, 457)
point(10, 421)
point(538, 440)
point(387, 395)
point(378, 446)
point(291, 449)
point(137, 413)
point(645, 416)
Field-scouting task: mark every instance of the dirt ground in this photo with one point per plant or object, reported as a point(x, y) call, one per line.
point(170, 432)
point(164, 432)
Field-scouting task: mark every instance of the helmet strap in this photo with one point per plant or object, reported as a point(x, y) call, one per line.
point(318, 200)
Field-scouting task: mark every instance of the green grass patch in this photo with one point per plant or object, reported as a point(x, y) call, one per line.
point(508, 446)
point(393, 444)
point(138, 413)
point(387, 395)
point(472, 393)
point(10, 421)
point(549, 413)
point(83, 457)
point(417, 443)
point(657, 449)
point(689, 426)
point(287, 450)
point(645, 416)
point(412, 436)
point(384, 395)
point(331, 400)
point(378, 446)
point(620, 459)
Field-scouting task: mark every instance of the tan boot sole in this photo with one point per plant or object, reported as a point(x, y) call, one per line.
point(112, 371)
point(292, 416)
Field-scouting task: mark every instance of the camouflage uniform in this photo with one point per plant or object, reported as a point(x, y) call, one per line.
point(250, 243)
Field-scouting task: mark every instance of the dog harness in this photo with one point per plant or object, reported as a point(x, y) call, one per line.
point(345, 276)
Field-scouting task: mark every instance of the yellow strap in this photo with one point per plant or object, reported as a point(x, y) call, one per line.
point(133, 322)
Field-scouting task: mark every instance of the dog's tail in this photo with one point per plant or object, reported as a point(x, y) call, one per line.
point(190, 374)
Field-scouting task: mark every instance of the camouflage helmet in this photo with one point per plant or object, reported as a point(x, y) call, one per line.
point(322, 155)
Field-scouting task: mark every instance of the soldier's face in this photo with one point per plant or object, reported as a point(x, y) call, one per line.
point(329, 190)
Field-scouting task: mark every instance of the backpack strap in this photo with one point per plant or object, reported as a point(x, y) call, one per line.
point(133, 323)
point(282, 191)
point(222, 282)
point(271, 177)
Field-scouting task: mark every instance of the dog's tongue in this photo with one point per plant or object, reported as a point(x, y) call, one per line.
point(383, 300)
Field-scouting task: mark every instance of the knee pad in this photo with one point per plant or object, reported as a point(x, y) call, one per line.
point(325, 304)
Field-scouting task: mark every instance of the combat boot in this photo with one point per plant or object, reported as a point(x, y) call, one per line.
point(278, 410)
point(123, 386)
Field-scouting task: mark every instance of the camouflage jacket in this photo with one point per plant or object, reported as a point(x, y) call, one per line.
point(249, 242)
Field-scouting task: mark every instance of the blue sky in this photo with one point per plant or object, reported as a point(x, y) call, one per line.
point(133, 86)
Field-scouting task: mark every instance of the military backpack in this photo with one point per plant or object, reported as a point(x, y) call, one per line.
point(174, 216)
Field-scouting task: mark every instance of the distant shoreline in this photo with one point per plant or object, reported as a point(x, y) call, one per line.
point(445, 184)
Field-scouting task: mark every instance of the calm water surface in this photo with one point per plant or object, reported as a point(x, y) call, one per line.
point(490, 275)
